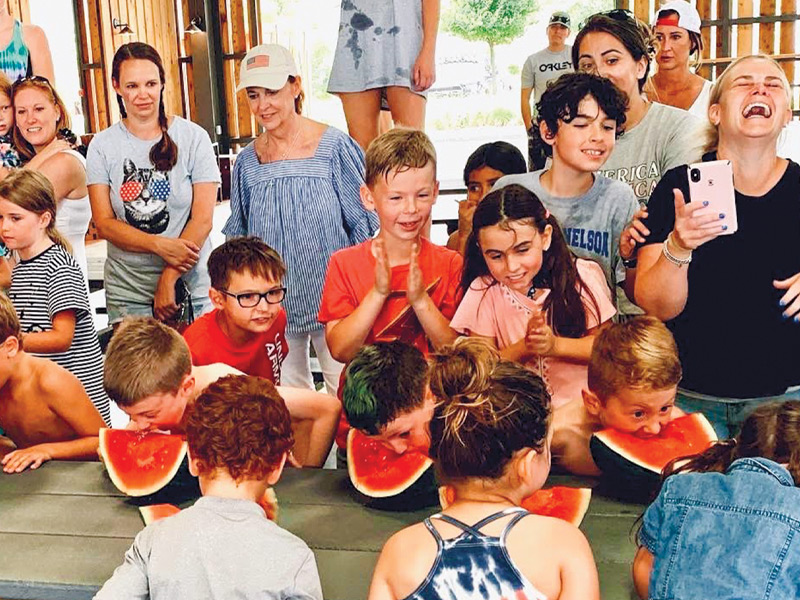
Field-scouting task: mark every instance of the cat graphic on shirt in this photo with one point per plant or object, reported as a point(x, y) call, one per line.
point(144, 193)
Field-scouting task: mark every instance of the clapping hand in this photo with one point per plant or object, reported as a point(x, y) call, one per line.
point(539, 339)
point(383, 272)
point(416, 283)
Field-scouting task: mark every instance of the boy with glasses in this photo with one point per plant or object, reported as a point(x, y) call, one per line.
point(247, 328)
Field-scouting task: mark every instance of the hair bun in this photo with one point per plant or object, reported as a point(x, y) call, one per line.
point(463, 368)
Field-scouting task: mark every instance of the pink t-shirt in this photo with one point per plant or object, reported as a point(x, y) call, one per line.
point(496, 311)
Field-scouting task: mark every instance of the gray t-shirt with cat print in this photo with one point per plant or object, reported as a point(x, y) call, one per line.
point(152, 201)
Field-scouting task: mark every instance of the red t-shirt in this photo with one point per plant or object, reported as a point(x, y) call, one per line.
point(351, 274)
point(261, 357)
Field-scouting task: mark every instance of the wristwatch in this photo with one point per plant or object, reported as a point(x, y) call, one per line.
point(630, 263)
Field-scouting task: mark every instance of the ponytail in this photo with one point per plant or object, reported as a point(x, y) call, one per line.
point(559, 272)
point(164, 154)
point(487, 409)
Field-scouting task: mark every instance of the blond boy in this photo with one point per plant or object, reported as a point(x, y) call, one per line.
point(634, 373)
point(44, 410)
point(149, 374)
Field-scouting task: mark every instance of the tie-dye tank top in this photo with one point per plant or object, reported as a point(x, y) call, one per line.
point(14, 57)
point(474, 566)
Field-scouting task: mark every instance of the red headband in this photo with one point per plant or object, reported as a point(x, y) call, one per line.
point(673, 20)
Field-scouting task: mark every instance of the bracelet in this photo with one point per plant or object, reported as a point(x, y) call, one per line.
point(678, 262)
point(630, 263)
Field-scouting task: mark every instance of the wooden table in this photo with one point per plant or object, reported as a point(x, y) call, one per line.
point(65, 527)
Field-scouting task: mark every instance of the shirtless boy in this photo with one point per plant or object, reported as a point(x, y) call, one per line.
point(44, 410)
point(633, 378)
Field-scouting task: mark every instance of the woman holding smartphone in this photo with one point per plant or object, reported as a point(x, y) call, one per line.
point(732, 301)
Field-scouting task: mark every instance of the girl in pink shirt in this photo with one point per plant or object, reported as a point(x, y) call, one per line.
point(527, 293)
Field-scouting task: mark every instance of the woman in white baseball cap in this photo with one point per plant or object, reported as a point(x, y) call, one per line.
point(679, 43)
point(296, 186)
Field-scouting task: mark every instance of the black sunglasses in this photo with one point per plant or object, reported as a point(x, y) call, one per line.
point(252, 299)
point(618, 14)
point(34, 78)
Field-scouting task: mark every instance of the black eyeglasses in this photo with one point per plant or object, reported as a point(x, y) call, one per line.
point(252, 299)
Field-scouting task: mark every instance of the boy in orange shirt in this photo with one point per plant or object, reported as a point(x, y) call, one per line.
point(634, 373)
point(399, 285)
point(247, 328)
point(44, 410)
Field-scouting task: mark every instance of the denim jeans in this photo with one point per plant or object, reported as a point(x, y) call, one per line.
point(726, 415)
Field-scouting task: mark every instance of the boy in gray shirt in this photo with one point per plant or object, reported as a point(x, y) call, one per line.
point(239, 433)
point(579, 118)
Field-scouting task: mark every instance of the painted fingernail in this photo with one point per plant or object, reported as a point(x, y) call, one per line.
point(705, 202)
point(782, 302)
point(797, 318)
point(784, 316)
point(724, 228)
point(721, 215)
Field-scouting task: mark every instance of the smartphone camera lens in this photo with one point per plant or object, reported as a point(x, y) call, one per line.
point(694, 174)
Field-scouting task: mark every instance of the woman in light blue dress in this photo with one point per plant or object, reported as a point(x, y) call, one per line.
point(385, 50)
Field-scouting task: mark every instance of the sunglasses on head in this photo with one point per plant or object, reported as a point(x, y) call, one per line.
point(31, 78)
point(618, 14)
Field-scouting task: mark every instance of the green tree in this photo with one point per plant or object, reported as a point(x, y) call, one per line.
point(491, 21)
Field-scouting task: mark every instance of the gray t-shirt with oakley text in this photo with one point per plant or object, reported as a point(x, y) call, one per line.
point(152, 201)
point(544, 66)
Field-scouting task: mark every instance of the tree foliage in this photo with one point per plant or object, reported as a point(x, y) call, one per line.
point(492, 21)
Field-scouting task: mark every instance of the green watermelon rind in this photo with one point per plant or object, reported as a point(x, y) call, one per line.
point(632, 471)
point(118, 480)
point(374, 493)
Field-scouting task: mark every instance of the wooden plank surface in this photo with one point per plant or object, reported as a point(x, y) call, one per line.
point(787, 37)
point(69, 528)
point(704, 9)
point(766, 31)
point(744, 33)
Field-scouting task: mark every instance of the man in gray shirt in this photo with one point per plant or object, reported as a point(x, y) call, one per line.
point(541, 67)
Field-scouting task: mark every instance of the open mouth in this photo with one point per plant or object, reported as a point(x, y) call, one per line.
point(33, 129)
point(594, 153)
point(757, 109)
point(410, 226)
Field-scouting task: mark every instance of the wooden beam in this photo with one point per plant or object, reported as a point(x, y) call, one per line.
point(641, 8)
point(787, 33)
point(766, 31)
point(704, 8)
point(744, 33)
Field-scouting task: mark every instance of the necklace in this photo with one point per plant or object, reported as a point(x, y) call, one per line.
point(531, 291)
point(288, 149)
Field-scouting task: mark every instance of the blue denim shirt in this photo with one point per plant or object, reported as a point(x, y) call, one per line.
point(726, 536)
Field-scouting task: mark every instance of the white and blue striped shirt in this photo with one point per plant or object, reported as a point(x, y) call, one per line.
point(306, 209)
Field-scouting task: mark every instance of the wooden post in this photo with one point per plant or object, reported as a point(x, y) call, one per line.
point(766, 31)
point(787, 33)
point(704, 8)
point(744, 40)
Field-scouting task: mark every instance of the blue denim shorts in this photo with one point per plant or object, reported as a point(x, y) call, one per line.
point(726, 415)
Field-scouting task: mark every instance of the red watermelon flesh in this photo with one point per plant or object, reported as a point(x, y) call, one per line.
point(377, 471)
point(566, 503)
point(154, 512)
point(684, 436)
point(139, 463)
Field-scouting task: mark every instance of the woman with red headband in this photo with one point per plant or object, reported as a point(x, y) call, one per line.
point(677, 32)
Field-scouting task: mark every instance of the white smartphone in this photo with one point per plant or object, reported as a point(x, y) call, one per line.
point(712, 182)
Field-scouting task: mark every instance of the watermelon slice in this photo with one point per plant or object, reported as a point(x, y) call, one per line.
point(566, 503)
point(154, 512)
point(637, 462)
point(387, 480)
point(138, 463)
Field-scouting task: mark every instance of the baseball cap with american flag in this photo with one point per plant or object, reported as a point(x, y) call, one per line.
point(266, 66)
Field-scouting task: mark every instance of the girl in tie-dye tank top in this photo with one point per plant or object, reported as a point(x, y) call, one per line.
point(490, 443)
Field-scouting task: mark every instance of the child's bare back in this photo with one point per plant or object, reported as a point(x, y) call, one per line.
point(573, 427)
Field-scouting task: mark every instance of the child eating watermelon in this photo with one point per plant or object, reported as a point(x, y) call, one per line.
point(633, 377)
point(239, 434)
point(149, 374)
point(44, 410)
point(490, 443)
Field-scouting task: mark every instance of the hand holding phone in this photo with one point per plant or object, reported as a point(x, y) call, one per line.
point(712, 182)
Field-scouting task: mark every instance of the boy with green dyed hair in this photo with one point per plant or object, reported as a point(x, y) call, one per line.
point(385, 395)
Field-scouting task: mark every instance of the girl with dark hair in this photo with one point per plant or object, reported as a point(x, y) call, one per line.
point(678, 39)
point(153, 182)
point(490, 442)
point(617, 46)
point(484, 167)
point(729, 521)
point(528, 294)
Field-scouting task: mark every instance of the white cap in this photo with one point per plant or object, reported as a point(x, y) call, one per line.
point(266, 66)
point(688, 17)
